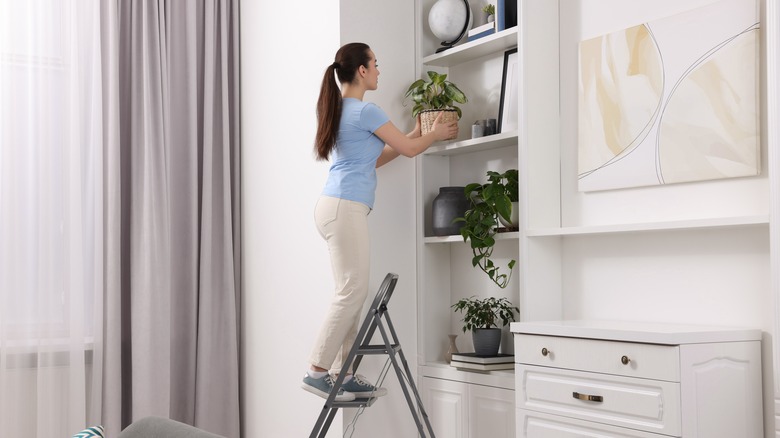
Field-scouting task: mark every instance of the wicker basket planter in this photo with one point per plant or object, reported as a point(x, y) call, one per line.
point(428, 116)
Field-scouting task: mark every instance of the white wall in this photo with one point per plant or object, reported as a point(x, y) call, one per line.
point(387, 26)
point(287, 277)
point(585, 19)
point(706, 276)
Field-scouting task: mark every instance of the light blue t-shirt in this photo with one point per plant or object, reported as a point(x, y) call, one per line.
point(352, 175)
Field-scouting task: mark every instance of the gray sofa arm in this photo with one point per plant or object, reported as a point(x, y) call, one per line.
point(156, 427)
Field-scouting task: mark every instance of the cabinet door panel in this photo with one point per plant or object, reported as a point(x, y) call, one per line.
point(447, 406)
point(730, 373)
point(537, 425)
point(492, 412)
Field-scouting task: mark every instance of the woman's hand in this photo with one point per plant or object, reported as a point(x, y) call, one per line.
point(412, 144)
point(443, 131)
point(417, 132)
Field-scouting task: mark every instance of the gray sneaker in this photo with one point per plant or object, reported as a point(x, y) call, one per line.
point(361, 388)
point(323, 387)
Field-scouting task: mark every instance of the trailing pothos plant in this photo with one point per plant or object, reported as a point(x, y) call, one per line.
point(436, 93)
point(481, 221)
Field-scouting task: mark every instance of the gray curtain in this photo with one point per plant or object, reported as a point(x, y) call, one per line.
point(170, 340)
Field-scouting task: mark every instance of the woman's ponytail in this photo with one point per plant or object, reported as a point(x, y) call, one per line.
point(348, 59)
point(328, 114)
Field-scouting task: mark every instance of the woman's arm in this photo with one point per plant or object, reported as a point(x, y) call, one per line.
point(412, 144)
point(389, 154)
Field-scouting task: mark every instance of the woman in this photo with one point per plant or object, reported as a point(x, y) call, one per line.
point(358, 137)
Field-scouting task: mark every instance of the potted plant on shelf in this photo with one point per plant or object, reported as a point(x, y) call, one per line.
point(433, 96)
point(481, 317)
point(491, 203)
point(490, 12)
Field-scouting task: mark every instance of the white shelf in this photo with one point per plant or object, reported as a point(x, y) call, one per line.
point(441, 370)
point(458, 238)
point(496, 141)
point(739, 221)
point(506, 39)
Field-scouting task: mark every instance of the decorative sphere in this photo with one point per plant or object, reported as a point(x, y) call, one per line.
point(447, 18)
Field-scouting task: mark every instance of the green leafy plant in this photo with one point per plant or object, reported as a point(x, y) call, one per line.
point(485, 312)
point(489, 9)
point(435, 93)
point(480, 222)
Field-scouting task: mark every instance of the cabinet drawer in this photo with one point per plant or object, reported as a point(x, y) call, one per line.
point(537, 425)
point(641, 404)
point(650, 361)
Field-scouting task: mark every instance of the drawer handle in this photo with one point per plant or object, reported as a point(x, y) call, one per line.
point(546, 352)
point(586, 397)
point(625, 360)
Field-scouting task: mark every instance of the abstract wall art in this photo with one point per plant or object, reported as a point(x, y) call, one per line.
point(671, 100)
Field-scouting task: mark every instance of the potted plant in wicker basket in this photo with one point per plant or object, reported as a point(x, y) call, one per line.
point(432, 96)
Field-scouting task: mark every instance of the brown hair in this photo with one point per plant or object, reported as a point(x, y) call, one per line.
point(348, 59)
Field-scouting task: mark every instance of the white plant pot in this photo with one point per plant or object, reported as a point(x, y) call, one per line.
point(515, 222)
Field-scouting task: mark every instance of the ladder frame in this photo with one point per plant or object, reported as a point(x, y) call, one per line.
point(361, 347)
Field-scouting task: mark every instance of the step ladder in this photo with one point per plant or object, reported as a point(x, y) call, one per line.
point(362, 346)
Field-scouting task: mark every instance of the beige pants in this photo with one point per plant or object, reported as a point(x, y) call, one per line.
point(344, 226)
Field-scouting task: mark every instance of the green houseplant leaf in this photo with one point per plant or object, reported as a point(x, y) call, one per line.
point(435, 93)
point(480, 222)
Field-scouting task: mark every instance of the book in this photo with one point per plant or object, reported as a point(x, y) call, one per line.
point(482, 367)
point(482, 29)
point(473, 358)
point(506, 14)
point(490, 31)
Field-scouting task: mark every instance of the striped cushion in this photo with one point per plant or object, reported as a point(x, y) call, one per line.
point(91, 432)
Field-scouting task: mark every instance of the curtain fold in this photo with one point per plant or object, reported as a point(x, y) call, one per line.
point(51, 201)
point(178, 297)
point(119, 214)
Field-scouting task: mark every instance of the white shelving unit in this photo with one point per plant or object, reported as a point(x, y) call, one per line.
point(445, 273)
point(462, 403)
point(559, 229)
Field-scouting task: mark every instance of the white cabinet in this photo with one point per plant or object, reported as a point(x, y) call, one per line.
point(617, 379)
point(462, 410)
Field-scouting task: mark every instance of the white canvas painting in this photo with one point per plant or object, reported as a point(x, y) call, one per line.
point(671, 100)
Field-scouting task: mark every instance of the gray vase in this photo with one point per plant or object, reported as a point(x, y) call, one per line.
point(486, 341)
point(450, 203)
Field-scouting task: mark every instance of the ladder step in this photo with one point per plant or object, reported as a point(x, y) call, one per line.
point(356, 403)
point(377, 349)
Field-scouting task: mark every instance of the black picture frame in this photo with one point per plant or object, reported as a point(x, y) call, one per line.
point(505, 108)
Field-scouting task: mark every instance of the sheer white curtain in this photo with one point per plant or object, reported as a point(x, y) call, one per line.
point(51, 214)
